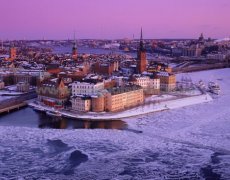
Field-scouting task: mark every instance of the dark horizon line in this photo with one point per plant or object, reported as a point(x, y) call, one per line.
point(104, 39)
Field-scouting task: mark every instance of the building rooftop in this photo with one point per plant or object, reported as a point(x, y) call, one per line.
point(163, 73)
point(127, 88)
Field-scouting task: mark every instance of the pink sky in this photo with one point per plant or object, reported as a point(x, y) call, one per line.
point(57, 19)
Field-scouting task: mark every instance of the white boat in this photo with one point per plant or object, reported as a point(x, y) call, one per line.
point(201, 85)
point(54, 113)
point(35, 106)
point(39, 109)
point(214, 88)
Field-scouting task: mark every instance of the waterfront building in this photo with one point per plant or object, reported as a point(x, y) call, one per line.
point(193, 51)
point(98, 102)
point(53, 93)
point(216, 56)
point(121, 98)
point(167, 81)
point(154, 87)
point(81, 103)
point(141, 57)
point(110, 100)
point(150, 84)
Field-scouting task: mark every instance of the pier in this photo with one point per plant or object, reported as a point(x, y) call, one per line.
point(16, 102)
point(13, 107)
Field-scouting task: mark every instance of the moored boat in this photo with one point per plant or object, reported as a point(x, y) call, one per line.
point(39, 109)
point(214, 88)
point(201, 85)
point(54, 113)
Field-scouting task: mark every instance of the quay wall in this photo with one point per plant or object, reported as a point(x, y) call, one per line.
point(200, 68)
point(17, 100)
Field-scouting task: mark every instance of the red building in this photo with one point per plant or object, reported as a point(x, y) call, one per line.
point(53, 93)
point(105, 68)
point(13, 54)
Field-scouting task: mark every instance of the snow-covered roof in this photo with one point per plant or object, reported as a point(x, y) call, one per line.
point(163, 74)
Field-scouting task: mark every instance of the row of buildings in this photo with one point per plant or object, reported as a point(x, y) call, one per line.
point(96, 94)
point(110, 100)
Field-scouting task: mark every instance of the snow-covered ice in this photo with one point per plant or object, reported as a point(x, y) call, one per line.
point(191, 142)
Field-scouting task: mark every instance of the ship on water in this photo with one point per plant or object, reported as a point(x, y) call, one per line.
point(54, 113)
point(214, 88)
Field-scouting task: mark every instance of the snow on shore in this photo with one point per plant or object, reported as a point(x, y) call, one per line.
point(140, 110)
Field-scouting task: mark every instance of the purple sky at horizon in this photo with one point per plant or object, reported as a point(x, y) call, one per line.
point(111, 19)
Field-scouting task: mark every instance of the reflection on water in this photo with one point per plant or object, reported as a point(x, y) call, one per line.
point(66, 123)
point(27, 117)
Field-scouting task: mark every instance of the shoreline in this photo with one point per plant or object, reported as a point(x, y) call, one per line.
point(137, 111)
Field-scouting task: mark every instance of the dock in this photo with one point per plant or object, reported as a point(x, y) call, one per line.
point(13, 107)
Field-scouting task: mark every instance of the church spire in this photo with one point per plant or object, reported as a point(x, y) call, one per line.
point(141, 48)
point(141, 34)
point(2, 45)
point(75, 43)
point(74, 49)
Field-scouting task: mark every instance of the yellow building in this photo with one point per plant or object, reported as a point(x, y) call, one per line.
point(111, 100)
point(98, 103)
point(121, 98)
point(167, 81)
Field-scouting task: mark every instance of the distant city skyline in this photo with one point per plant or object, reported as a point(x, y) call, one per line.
point(113, 19)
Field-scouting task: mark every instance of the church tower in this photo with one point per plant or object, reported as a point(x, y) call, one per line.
point(13, 53)
point(141, 56)
point(74, 49)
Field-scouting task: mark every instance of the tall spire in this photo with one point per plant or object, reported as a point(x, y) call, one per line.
point(141, 35)
point(141, 48)
point(75, 44)
point(74, 49)
point(2, 44)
